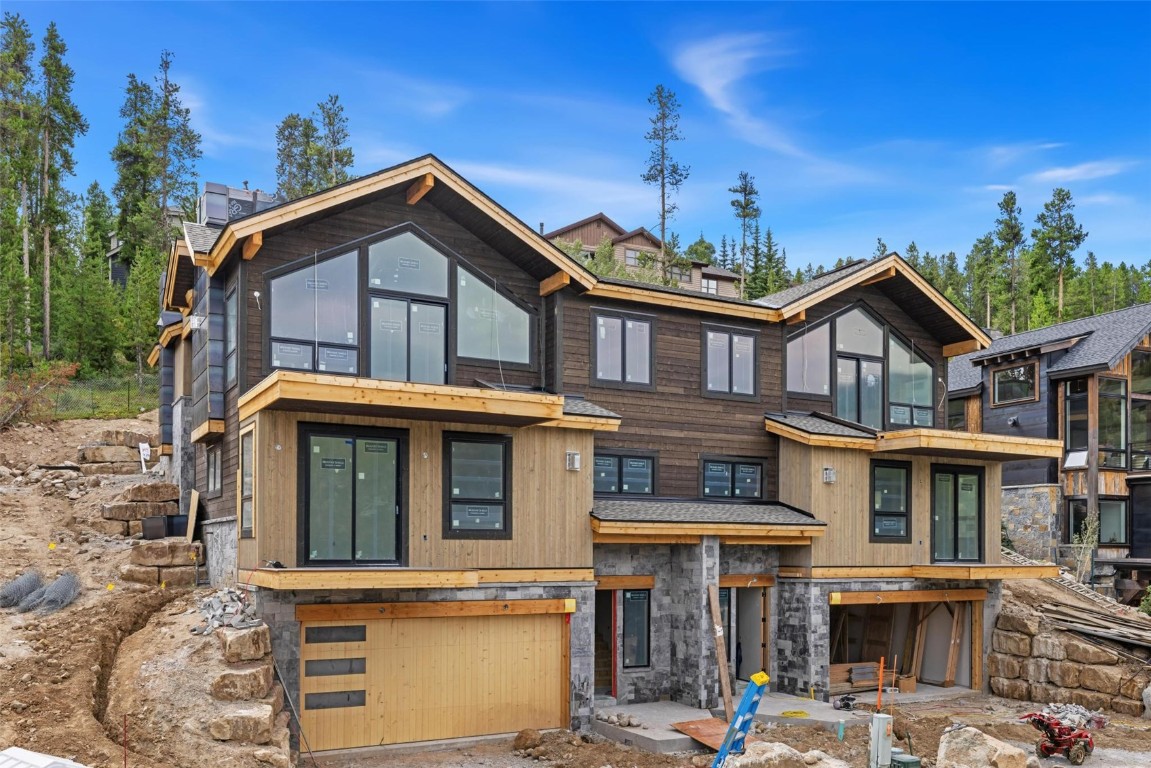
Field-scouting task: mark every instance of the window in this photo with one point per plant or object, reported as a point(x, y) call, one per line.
point(636, 628)
point(315, 306)
point(405, 263)
point(859, 391)
point(1112, 423)
point(957, 413)
point(351, 498)
point(857, 333)
point(215, 470)
point(679, 274)
point(490, 326)
point(732, 479)
point(910, 385)
point(230, 326)
point(957, 514)
point(1141, 410)
point(631, 257)
point(408, 340)
point(1075, 415)
point(1016, 384)
point(247, 462)
point(623, 350)
point(624, 474)
point(477, 475)
point(1112, 520)
point(890, 501)
point(710, 285)
point(808, 361)
point(729, 362)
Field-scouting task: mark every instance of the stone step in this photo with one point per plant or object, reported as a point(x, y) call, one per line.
point(138, 510)
point(111, 468)
point(151, 492)
point(167, 552)
point(244, 682)
point(245, 722)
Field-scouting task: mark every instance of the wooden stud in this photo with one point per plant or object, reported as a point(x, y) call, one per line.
point(953, 647)
point(534, 575)
point(879, 277)
point(746, 580)
point(977, 646)
point(887, 597)
point(556, 282)
point(961, 348)
point(720, 650)
point(420, 187)
point(193, 510)
point(615, 538)
point(793, 572)
point(431, 609)
point(625, 582)
point(253, 244)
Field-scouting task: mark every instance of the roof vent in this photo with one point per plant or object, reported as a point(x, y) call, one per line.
point(220, 203)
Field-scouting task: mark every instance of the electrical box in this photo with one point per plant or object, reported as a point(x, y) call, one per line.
point(829, 474)
point(906, 761)
point(880, 751)
point(573, 461)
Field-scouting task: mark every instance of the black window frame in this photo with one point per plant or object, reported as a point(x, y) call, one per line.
point(248, 495)
point(873, 537)
point(1119, 452)
point(733, 461)
point(890, 335)
point(504, 533)
point(1077, 397)
point(621, 455)
point(647, 663)
point(730, 331)
point(1069, 520)
point(304, 431)
point(213, 470)
point(952, 424)
point(231, 336)
point(995, 401)
point(958, 469)
point(623, 316)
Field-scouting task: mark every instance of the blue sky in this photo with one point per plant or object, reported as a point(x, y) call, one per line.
point(903, 120)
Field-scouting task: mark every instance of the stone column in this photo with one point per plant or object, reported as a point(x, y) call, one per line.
point(693, 661)
point(582, 673)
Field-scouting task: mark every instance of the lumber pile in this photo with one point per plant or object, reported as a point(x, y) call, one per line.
point(1130, 627)
point(856, 676)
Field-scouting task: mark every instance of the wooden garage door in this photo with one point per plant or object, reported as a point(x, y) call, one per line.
point(390, 681)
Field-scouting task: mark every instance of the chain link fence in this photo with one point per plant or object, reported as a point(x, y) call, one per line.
point(111, 398)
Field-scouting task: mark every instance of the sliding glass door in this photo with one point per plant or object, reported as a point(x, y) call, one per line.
point(957, 514)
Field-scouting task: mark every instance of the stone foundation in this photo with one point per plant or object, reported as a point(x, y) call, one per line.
point(1031, 519)
point(220, 544)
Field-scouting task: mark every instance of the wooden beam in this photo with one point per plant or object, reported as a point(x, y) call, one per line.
point(708, 529)
point(431, 609)
point(346, 578)
point(879, 277)
point(570, 421)
point(746, 580)
point(420, 187)
point(862, 572)
point(961, 348)
point(253, 244)
point(886, 597)
point(207, 429)
point(556, 282)
point(702, 303)
point(154, 355)
point(721, 650)
point(978, 572)
point(953, 647)
point(615, 538)
point(977, 646)
point(798, 317)
point(534, 575)
point(793, 572)
point(771, 541)
point(942, 442)
point(625, 582)
point(189, 297)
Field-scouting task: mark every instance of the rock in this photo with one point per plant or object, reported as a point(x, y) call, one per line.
point(275, 699)
point(1035, 670)
point(111, 468)
point(1127, 706)
point(151, 492)
point(125, 437)
point(1048, 646)
point(244, 682)
point(769, 754)
point(138, 510)
point(272, 757)
point(1014, 643)
point(1132, 688)
point(166, 552)
point(103, 454)
point(1102, 679)
point(1085, 653)
point(1065, 674)
point(110, 527)
point(183, 576)
point(1089, 699)
point(529, 738)
point(971, 748)
point(140, 574)
point(245, 644)
point(1027, 624)
point(1045, 692)
point(1147, 703)
point(251, 723)
point(1001, 665)
point(1010, 689)
point(135, 527)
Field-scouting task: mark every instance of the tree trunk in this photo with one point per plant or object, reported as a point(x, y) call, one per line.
point(47, 281)
point(1061, 294)
point(987, 296)
point(27, 270)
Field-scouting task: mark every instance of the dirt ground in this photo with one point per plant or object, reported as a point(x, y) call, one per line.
point(54, 669)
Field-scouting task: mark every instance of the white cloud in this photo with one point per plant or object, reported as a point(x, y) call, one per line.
point(1006, 154)
point(213, 137)
point(998, 187)
point(1098, 169)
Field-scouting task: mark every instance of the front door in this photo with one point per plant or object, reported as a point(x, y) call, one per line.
point(957, 514)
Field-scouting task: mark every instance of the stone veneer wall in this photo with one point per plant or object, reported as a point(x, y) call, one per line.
point(693, 661)
point(803, 631)
point(1029, 664)
point(182, 468)
point(736, 559)
point(219, 536)
point(1031, 517)
point(278, 609)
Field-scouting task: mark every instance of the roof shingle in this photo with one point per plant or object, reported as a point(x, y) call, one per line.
point(817, 424)
point(200, 237)
point(674, 511)
point(781, 299)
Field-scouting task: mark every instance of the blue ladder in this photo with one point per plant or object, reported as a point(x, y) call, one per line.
point(733, 742)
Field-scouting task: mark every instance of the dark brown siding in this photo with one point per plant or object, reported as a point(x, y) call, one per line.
point(675, 420)
point(306, 239)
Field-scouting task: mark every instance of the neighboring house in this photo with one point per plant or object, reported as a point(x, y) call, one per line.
point(428, 444)
point(639, 249)
point(1086, 383)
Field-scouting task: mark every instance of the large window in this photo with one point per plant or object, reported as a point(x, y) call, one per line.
point(624, 474)
point(732, 479)
point(809, 362)
point(1112, 520)
point(247, 481)
point(957, 414)
point(1113, 423)
point(911, 385)
point(351, 497)
point(1075, 415)
point(890, 501)
point(957, 514)
point(315, 310)
point(636, 628)
point(1015, 384)
point(230, 329)
point(729, 362)
point(1141, 410)
point(477, 482)
point(490, 325)
point(623, 350)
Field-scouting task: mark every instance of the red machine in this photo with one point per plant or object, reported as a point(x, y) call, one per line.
point(1075, 743)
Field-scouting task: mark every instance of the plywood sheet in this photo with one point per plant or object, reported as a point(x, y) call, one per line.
point(710, 731)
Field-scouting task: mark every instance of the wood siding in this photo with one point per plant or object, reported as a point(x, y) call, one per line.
point(549, 505)
point(973, 414)
point(675, 420)
point(590, 235)
point(845, 506)
point(1111, 483)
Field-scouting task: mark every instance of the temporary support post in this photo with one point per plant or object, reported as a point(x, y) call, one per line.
point(734, 741)
point(720, 649)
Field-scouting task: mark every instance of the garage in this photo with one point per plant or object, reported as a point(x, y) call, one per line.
point(423, 674)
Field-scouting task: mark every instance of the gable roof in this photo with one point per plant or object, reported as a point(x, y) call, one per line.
point(899, 280)
point(424, 176)
point(638, 232)
point(601, 216)
point(710, 270)
point(200, 237)
point(815, 423)
point(1093, 344)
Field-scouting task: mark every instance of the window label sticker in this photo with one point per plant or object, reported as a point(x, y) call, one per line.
point(391, 325)
point(477, 511)
point(333, 463)
point(432, 328)
point(637, 463)
point(409, 263)
point(376, 446)
point(316, 284)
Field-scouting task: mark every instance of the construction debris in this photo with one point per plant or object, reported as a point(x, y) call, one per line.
point(1124, 626)
point(226, 608)
point(1076, 716)
point(60, 593)
point(19, 588)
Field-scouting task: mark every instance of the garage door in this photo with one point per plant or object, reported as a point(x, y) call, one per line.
point(389, 681)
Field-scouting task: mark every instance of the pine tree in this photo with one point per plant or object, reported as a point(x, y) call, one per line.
point(981, 268)
point(1056, 238)
point(662, 170)
point(746, 207)
point(137, 171)
point(724, 255)
point(701, 250)
point(312, 152)
point(881, 249)
point(335, 156)
point(179, 149)
point(756, 284)
point(1009, 242)
point(911, 254)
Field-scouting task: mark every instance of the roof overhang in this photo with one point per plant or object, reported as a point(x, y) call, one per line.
point(419, 175)
point(180, 276)
point(1019, 353)
point(635, 532)
point(682, 300)
point(169, 334)
point(814, 438)
point(324, 393)
point(967, 445)
point(949, 571)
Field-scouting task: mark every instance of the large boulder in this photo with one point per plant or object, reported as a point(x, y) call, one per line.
point(245, 644)
point(138, 510)
point(101, 454)
point(250, 723)
point(1065, 674)
point(1010, 689)
point(1086, 653)
point(166, 553)
point(770, 754)
point(244, 682)
point(1025, 623)
point(1102, 678)
point(1002, 665)
point(1014, 643)
point(1048, 646)
point(971, 748)
point(125, 437)
point(1127, 706)
point(151, 492)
